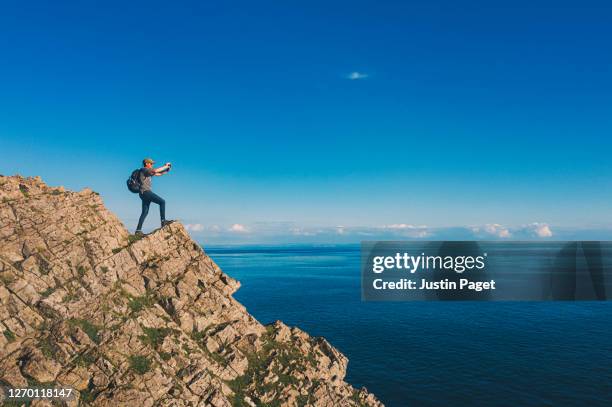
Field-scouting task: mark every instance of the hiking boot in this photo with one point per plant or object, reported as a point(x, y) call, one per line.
point(166, 222)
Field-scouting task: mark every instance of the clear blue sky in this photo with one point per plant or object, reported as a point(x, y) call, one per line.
point(294, 118)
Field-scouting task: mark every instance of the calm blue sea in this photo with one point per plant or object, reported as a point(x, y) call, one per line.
point(431, 353)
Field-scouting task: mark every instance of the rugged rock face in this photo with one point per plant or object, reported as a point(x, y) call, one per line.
point(140, 322)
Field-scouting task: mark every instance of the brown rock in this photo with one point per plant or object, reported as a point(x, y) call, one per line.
point(140, 323)
point(38, 366)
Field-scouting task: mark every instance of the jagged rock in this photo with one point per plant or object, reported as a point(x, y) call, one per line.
point(140, 322)
point(37, 366)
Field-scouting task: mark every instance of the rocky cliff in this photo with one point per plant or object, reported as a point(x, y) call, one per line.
point(148, 322)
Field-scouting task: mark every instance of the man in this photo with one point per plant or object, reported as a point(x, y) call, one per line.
point(147, 196)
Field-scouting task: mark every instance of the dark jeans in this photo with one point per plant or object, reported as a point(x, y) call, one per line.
point(147, 197)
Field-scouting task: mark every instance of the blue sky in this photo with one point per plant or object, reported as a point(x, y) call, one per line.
point(320, 121)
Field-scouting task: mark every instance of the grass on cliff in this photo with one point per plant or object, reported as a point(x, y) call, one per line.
point(85, 359)
point(48, 347)
point(200, 338)
point(154, 337)
point(32, 382)
point(89, 328)
point(47, 292)
point(140, 364)
point(134, 238)
point(88, 395)
point(9, 335)
point(137, 304)
point(357, 400)
point(24, 190)
point(7, 278)
point(283, 355)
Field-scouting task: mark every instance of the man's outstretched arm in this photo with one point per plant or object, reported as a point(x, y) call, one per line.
point(161, 170)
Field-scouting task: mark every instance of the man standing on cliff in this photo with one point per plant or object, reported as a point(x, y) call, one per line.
point(147, 196)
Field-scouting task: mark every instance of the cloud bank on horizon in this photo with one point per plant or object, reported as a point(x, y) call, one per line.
point(288, 232)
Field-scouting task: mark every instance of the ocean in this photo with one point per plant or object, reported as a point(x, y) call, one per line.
point(430, 353)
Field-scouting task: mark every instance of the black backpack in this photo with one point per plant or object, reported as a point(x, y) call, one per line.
point(133, 183)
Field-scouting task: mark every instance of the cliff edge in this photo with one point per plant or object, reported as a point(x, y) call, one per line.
point(148, 322)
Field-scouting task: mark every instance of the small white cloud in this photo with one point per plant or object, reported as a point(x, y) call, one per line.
point(403, 226)
point(496, 230)
point(540, 229)
point(340, 230)
point(194, 227)
point(215, 228)
point(356, 75)
point(399, 226)
point(238, 228)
